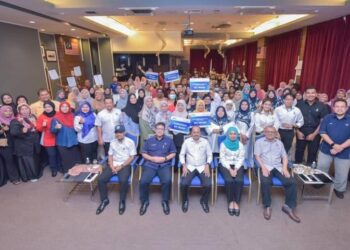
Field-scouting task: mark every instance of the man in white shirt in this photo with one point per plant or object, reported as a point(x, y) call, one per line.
point(289, 118)
point(106, 121)
point(121, 153)
point(195, 157)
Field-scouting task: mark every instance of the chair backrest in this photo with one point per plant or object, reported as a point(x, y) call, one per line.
point(221, 138)
point(134, 138)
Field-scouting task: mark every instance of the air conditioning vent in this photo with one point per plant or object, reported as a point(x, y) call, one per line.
point(141, 11)
point(222, 26)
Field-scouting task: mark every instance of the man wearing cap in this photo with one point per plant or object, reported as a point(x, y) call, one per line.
point(157, 152)
point(120, 154)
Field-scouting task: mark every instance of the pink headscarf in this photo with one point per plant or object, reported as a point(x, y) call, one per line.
point(6, 120)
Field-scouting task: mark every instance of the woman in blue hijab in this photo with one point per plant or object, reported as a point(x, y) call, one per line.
point(216, 127)
point(231, 168)
point(84, 125)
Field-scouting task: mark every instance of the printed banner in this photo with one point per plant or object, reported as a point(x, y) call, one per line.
point(202, 120)
point(152, 76)
point(180, 125)
point(199, 84)
point(172, 76)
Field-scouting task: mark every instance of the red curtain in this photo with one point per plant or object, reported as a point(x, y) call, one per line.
point(198, 61)
point(327, 56)
point(250, 59)
point(234, 58)
point(282, 57)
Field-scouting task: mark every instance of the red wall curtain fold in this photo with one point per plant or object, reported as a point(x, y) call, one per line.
point(326, 63)
point(282, 57)
point(197, 60)
point(234, 58)
point(250, 59)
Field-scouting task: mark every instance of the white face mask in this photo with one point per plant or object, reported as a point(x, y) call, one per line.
point(172, 96)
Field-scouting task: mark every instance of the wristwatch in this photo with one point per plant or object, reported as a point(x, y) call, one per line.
point(165, 158)
point(332, 145)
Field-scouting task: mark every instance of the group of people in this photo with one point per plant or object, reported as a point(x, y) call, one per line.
point(86, 124)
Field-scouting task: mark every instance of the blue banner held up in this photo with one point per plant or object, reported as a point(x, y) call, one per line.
point(199, 84)
point(180, 125)
point(202, 120)
point(172, 76)
point(152, 76)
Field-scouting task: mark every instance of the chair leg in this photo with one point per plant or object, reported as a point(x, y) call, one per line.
point(178, 186)
point(258, 194)
point(172, 183)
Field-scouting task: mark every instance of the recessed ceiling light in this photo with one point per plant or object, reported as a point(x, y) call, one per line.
point(89, 33)
point(241, 13)
point(112, 24)
point(72, 29)
point(66, 23)
point(31, 22)
point(42, 29)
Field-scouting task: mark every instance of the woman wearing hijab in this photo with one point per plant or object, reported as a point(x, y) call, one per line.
point(73, 97)
point(84, 125)
point(231, 168)
point(83, 97)
point(98, 102)
point(66, 138)
point(6, 147)
point(147, 119)
point(237, 99)
point(216, 127)
point(130, 116)
point(246, 91)
point(200, 108)
point(60, 95)
point(48, 139)
point(253, 100)
point(164, 115)
point(140, 98)
point(122, 100)
point(179, 112)
point(230, 109)
point(26, 144)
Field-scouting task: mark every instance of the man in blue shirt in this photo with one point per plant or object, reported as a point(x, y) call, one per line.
point(157, 152)
point(335, 147)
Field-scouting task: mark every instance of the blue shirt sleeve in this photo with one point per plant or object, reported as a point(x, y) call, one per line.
point(323, 125)
point(172, 148)
point(145, 147)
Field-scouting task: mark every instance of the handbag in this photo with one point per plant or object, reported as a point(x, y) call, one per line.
point(3, 141)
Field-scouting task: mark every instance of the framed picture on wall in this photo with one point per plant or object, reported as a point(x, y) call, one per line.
point(51, 56)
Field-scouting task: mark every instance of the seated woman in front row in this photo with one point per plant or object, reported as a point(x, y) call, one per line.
point(231, 168)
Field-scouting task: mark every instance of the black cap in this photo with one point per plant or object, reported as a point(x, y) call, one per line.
point(119, 129)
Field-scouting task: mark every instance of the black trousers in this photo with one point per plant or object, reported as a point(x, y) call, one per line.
point(186, 183)
point(106, 175)
point(164, 174)
point(69, 156)
point(106, 148)
point(233, 185)
point(287, 136)
point(88, 150)
point(8, 159)
point(312, 149)
point(288, 184)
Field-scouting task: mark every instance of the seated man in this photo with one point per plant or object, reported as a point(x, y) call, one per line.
point(268, 152)
point(195, 157)
point(120, 154)
point(157, 152)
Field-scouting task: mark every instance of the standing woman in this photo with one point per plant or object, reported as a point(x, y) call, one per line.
point(60, 95)
point(26, 143)
point(83, 97)
point(140, 98)
point(84, 125)
point(6, 146)
point(123, 99)
point(265, 117)
point(7, 99)
point(253, 100)
point(216, 128)
point(275, 100)
point(231, 169)
point(147, 119)
point(130, 116)
point(172, 100)
point(164, 115)
point(48, 139)
point(98, 102)
point(178, 138)
point(66, 138)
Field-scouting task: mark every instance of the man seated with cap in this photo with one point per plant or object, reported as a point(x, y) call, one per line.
point(157, 152)
point(121, 153)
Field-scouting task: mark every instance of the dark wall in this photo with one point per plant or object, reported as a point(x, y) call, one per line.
point(106, 59)
point(21, 65)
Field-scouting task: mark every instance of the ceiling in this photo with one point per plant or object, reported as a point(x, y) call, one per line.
point(67, 16)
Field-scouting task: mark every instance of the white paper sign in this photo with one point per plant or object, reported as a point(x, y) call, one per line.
point(71, 82)
point(53, 74)
point(98, 79)
point(77, 71)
